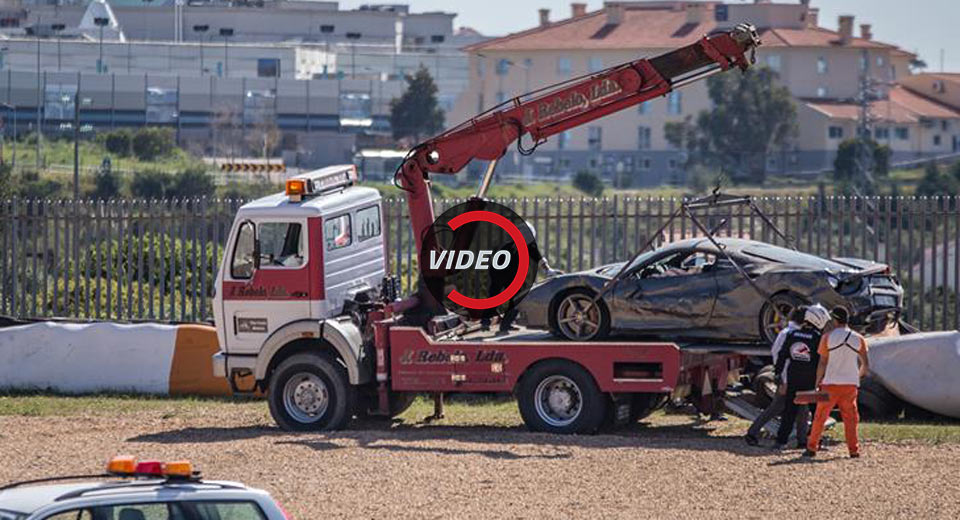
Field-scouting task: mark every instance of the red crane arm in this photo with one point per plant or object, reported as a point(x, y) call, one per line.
point(555, 109)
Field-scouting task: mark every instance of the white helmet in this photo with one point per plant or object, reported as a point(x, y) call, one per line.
point(817, 316)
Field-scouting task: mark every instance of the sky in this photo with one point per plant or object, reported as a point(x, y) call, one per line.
point(921, 26)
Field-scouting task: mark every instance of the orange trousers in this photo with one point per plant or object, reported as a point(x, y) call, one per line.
point(845, 398)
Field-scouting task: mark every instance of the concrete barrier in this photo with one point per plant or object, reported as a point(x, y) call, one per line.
point(110, 357)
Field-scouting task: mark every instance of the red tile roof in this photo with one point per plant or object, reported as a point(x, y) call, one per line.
point(902, 106)
point(650, 27)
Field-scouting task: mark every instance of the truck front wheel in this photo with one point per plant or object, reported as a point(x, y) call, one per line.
point(310, 392)
point(561, 397)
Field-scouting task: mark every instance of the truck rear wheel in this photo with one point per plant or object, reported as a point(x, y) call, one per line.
point(310, 392)
point(561, 397)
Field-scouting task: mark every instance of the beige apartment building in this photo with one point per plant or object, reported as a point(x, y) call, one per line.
point(823, 70)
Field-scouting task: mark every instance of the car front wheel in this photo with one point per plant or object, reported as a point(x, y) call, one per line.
point(579, 316)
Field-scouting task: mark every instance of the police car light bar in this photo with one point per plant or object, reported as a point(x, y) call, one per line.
point(320, 181)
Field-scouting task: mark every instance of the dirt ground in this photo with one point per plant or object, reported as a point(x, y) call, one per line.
point(668, 467)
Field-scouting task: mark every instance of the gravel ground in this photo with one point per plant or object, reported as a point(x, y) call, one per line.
point(668, 467)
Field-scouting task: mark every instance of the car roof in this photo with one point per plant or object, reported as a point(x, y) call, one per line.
point(757, 250)
point(28, 499)
point(279, 204)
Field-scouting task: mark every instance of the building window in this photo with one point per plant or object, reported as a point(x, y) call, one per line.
point(902, 133)
point(595, 138)
point(268, 68)
point(880, 61)
point(881, 132)
point(643, 108)
point(936, 140)
point(835, 132)
point(503, 67)
point(643, 138)
point(821, 91)
point(594, 65)
point(326, 29)
point(864, 62)
point(644, 163)
point(893, 72)
point(821, 65)
point(563, 140)
point(675, 102)
point(773, 61)
point(437, 38)
point(564, 68)
point(672, 164)
point(944, 125)
point(353, 35)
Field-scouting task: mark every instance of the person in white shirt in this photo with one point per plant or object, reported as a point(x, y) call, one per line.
point(775, 408)
point(843, 362)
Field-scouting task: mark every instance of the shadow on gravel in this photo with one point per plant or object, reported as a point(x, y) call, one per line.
point(401, 448)
point(394, 436)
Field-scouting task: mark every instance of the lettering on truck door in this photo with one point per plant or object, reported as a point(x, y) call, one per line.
point(267, 283)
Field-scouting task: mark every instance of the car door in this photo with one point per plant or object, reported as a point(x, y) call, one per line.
point(651, 300)
point(267, 283)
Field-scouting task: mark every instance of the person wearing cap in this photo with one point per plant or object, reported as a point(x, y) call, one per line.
point(843, 362)
point(775, 408)
point(798, 362)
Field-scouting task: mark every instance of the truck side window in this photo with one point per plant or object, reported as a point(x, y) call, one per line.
point(281, 244)
point(368, 223)
point(336, 232)
point(242, 263)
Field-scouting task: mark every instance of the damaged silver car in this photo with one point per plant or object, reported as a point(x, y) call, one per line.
point(690, 290)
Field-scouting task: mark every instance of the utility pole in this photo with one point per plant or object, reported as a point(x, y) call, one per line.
point(201, 30)
point(57, 27)
point(863, 157)
point(76, 144)
point(39, 94)
point(101, 22)
point(226, 32)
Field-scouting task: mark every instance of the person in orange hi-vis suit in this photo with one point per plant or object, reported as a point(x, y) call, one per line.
point(843, 362)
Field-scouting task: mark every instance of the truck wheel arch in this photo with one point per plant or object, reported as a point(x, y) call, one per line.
point(529, 368)
point(339, 335)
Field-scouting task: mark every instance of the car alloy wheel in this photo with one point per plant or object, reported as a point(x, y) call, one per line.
point(579, 317)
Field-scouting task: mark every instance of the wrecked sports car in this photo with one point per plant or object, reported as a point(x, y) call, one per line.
point(689, 290)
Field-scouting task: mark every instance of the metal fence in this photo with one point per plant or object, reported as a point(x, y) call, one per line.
point(157, 260)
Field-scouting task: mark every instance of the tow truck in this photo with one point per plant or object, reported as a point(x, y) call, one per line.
point(306, 313)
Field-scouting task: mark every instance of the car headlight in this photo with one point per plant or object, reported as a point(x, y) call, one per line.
point(833, 281)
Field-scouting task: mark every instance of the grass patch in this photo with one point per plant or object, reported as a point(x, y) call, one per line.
point(467, 411)
point(51, 405)
point(923, 432)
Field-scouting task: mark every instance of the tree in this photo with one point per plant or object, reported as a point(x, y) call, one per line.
point(845, 164)
point(118, 142)
point(416, 114)
point(935, 183)
point(751, 116)
point(588, 182)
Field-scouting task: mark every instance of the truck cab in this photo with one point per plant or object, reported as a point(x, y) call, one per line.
point(291, 261)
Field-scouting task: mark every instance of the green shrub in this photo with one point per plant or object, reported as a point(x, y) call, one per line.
point(151, 143)
point(106, 185)
point(588, 183)
point(151, 184)
point(118, 142)
point(192, 183)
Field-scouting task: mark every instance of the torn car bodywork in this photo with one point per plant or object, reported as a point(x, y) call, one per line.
point(691, 290)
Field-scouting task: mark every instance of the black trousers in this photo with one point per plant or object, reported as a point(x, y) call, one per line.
point(793, 414)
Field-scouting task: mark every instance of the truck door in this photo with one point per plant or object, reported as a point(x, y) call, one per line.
point(268, 283)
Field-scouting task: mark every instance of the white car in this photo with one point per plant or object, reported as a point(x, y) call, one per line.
point(137, 491)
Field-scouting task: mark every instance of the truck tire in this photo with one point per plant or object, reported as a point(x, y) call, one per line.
point(310, 392)
point(645, 404)
point(561, 397)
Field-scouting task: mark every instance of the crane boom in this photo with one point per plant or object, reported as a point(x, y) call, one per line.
point(546, 112)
